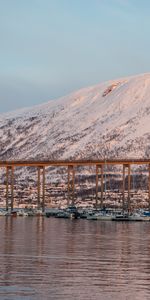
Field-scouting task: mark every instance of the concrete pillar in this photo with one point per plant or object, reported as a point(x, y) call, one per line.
point(12, 188)
point(43, 204)
point(39, 188)
point(149, 185)
point(99, 171)
point(7, 185)
point(129, 188)
point(102, 186)
point(68, 198)
point(123, 189)
point(71, 185)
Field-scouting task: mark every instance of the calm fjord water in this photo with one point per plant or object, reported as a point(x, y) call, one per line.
point(73, 259)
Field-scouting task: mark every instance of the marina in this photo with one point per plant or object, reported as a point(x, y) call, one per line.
point(72, 212)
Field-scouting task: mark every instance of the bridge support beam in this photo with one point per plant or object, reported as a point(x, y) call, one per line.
point(41, 174)
point(149, 186)
point(71, 185)
point(39, 187)
point(123, 192)
point(99, 171)
point(129, 188)
point(128, 167)
point(10, 184)
point(7, 188)
point(43, 203)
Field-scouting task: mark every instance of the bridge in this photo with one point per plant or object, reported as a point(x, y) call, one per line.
point(71, 165)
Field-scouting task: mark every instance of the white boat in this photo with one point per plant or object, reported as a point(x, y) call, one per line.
point(105, 217)
point(136, 217)
point(22, 213)
point(63, 214)
point(100, 216)
point(4, 213)
point(91, 217)
point(139, 217)
point(120, 217)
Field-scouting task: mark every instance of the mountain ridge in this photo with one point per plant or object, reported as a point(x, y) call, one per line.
point(110, 119)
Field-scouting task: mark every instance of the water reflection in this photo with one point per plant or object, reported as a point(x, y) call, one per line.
point(73, 259)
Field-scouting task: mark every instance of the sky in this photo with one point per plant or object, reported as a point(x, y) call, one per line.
point(49, 48)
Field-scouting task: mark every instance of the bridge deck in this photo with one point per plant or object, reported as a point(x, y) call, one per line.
point(36, 163)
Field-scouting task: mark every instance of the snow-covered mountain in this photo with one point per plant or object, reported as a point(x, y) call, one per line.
point(111, 119)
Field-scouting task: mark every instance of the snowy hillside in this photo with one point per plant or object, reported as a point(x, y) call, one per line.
point(107, 120)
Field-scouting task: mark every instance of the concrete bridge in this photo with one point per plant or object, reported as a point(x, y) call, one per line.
point(126, 165)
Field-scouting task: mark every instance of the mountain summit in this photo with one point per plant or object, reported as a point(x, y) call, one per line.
point(111, 119)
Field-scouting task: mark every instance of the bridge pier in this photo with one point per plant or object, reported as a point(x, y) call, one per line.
point(99, 171)
point(7, 187)
point(123, 195)
point(71, 185)
point(129, 188)
point(149, 186)
point(41, 174)
point(128, 167)
point(43, 203)
point(9, 183)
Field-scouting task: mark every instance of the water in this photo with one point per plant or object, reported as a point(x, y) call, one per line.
point(62, 259)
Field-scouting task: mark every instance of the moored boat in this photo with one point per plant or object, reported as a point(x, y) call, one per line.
point(137, 217)
point(62, 214)
point(105, 217)
point(120, 217)
point(99, 215)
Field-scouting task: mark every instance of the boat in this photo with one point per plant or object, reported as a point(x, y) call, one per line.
point(73, 212)
point(104, 217)
point(121, 217)
point(137, 217)
point(99, 215)
point(62, 214)
point(70, 212)
point(83, 214)
point(146, 215)
point(22, 212)
point(4, 212)
point(30, 213)
point(133, 217)
point(37, 212)
point(91, 217)
point(52, 212)
point(14, 213)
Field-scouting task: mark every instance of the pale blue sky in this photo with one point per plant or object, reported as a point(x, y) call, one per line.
point(49, 48)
